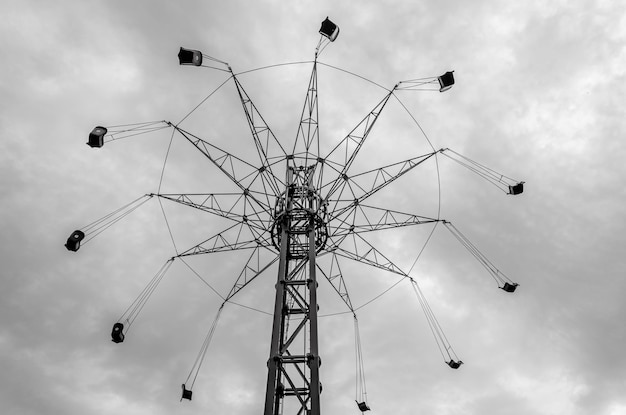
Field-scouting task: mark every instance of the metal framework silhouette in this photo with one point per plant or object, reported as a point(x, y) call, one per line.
point(299, 205)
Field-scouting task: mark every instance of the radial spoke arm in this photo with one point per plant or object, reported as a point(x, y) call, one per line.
point(250, 271)
point(236, 237)
point(239, 207)
point(240, 172)
point(364, 218)
point(355, 189)
point(355, 247)
point(349, 147)
point(308, 130)
point(335, 278)
point(267, 145)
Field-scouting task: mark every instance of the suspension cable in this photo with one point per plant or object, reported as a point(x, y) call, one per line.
point(118, 132)
point(195, 369)
point(97, 227)
point(131, 313)
point(202, 279)
point(204, 100)
point(167, 223)
point(445, 348)
point(499, 180)
point(361, 388)
point(501, 279)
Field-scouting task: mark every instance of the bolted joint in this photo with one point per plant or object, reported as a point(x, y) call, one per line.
point(276, 359)
point(310, 358)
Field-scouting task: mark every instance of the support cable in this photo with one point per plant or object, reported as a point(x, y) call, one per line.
point(272, 66)
point(430, 235)
point(203, 101)
point(97, 227)
point(380, 295)
point(504, 183)
point(205, 56)
point(361, 388)
point(501, 279)
point(354, 74)
point(211, 58)
point(167, 223)
point(433, 148)
point(420, 84)
point(132, 312)
point(202, 279)
point(233, 292)
point(444, 346)
point(195, 369)
point(118, 132)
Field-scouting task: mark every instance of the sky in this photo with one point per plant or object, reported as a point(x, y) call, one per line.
point(538, 96)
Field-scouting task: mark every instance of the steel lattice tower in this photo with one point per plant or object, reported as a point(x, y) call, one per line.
point(300, 233)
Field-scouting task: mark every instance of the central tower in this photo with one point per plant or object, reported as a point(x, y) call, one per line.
point(299, 232)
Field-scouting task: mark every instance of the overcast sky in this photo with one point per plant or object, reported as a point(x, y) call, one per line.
point(539, 97)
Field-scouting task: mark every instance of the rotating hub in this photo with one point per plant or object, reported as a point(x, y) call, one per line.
point(297, 210)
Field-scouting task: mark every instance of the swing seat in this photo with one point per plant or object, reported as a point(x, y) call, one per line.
point(73, 242)
point(516, 189)
point(329, 30)
point(186, 393)
point(117, 335)
point(189, 57)
point(509, 288)
point(96, 137)
point(455, 365)
point(362, 406)
point(446, 81)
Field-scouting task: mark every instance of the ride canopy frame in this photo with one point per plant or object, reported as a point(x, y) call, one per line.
point(300, 203)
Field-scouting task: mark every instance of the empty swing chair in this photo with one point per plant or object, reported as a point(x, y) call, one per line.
point(73, 242)
point(96, 137)
point(186, 393)
point(509, 287)
point(117, 334)
point(446, 81)
point(455, 364)
point(329, 29)
point(189, 57)
point(363, 406)
point(516, 189)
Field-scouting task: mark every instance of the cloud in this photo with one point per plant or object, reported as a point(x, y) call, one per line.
point(538, 96)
